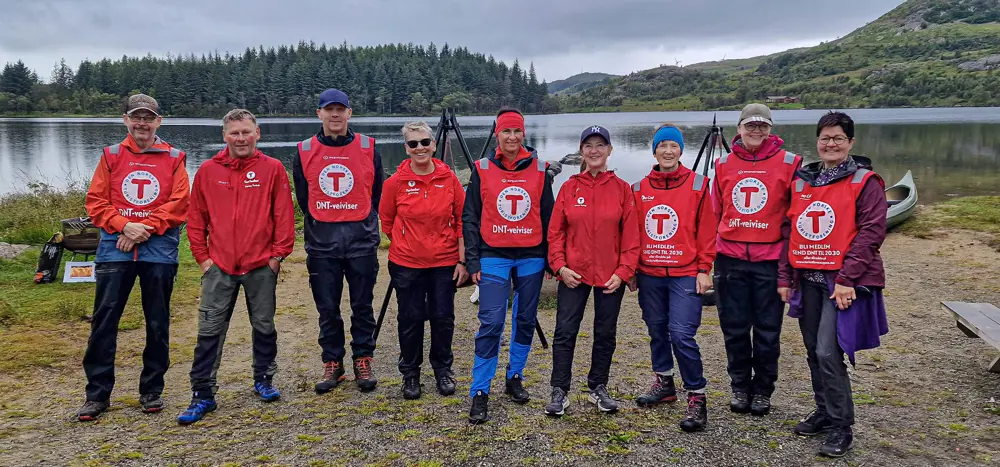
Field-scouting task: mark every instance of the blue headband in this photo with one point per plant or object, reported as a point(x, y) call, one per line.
point(668, 133)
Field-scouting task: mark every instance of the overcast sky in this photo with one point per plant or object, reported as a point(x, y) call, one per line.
point(562, 38)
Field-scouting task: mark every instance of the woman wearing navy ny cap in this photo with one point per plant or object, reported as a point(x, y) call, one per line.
point(593, 247)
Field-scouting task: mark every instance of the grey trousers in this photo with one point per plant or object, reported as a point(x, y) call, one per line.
point(219, 294)
point(830, 381)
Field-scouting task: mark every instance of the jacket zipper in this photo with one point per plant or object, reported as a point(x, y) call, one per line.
point(236, 204)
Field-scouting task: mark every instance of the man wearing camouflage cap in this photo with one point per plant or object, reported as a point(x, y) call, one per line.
point(138, 197)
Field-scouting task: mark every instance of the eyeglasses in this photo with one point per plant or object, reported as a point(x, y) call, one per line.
point(752, 127)
point(423, 142)
point(147, 118)
point(838, 140)
point(598, 146)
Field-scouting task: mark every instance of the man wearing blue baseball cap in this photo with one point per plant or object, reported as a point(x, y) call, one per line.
point(338, 183)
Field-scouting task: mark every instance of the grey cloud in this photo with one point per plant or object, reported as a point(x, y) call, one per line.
point(525, 29)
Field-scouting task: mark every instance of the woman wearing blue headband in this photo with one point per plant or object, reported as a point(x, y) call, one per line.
point(677, 236)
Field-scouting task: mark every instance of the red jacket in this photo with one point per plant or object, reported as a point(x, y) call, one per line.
point(749, 251)
point(241, 212)
point(422, 216)
point(705, 227)
point(594, 229)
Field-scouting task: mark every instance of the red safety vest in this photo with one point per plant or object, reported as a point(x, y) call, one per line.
point(823, 222)
point(340, 179)
point(669, 222)
point(140, 183)
point(754, 196)
point(511, 216)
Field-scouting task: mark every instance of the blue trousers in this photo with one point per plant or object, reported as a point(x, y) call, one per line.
point(499, 274)
point(671, 309)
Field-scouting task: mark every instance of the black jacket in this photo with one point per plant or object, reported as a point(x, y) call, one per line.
point(475, 247)
point(339, 240)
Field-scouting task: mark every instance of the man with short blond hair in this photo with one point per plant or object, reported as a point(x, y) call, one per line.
point(241, 225)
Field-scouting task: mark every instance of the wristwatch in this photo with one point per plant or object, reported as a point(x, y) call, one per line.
point(462, 263)
point(281, 259)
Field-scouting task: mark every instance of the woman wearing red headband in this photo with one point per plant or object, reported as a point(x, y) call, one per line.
point(507, 208)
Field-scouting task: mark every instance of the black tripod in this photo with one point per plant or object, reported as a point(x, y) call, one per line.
point(447, 124)
point(709, 146)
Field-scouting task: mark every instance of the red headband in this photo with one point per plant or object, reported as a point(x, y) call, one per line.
point(509, 120)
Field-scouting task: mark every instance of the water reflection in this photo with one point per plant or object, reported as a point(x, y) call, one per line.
point(951, 151)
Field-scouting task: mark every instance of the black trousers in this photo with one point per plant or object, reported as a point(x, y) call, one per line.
point(326, 278)
point(114, 285)
point(569, 314)
point(750, 314)
point(830, 381)
point(424, 294)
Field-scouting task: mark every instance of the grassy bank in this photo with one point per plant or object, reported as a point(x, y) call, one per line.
point(30, 217)
point(974, 213)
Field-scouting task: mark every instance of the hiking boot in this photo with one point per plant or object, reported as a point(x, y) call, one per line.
point(91, 410)
point(333, 374)
point(197, 410)
point(479, 412)
point(266, 391)
point(740, 402)
point(697, 413)
point(411, 388)
point(516, 390)
point(150, 403)
point(605, 403)
point(557, 406)
point(838, 442)
point(760, 405)
point(446, 383)
point(364, 375)
point(813, 424)
point(662, 390)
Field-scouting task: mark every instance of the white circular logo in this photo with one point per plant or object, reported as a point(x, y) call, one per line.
point(817, 221)
point(661, 222)
point(412, 183)
point(513, 203)
point(749, 196)
point(580, 200)
point(140, 188)
point(251, 175)
point(336, 180)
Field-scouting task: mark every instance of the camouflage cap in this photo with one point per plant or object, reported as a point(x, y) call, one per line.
point(141, 101)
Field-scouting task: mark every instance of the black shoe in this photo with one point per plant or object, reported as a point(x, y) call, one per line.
point(151, 403)
point(813, 425)
point(662, 390)
point(740, 402)
point(446, 383)
point(91, 410)
point(479, 412)
point(605, 403)
point(557, 406)
point(760, 405)
point(697, 413)
point(364, 375)
point(516, 391)
point(838, 442)
point(333, 374)
point(411, 388)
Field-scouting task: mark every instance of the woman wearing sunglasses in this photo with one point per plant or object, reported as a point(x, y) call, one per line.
point(421, 213)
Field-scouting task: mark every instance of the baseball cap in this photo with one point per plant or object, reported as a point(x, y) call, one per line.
point(141, 101)
point(755, 113)
point(333, 96)
point(595, 130)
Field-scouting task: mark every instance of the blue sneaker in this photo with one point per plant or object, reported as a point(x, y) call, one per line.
point(196, 411)
point(266, 391)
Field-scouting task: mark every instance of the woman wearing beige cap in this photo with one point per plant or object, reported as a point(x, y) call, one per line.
point(751, 196)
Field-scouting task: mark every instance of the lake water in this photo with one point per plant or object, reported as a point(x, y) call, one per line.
point(952, 152)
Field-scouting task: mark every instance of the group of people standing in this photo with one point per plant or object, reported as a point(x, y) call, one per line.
point(774, 231)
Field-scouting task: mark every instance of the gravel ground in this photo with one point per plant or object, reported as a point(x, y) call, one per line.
point(923, 398)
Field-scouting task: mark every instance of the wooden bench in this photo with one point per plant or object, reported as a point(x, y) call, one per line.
point(980, 320)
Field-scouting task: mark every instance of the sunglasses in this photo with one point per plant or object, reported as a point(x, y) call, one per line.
point(423, 142)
